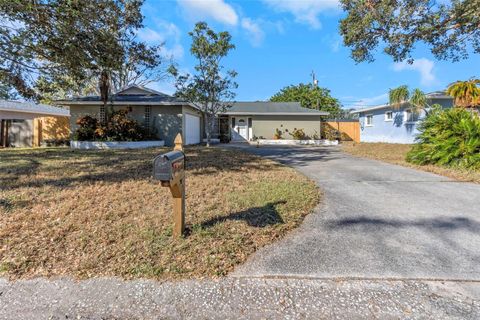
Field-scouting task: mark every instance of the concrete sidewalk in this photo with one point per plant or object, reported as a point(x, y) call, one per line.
point(235, 298)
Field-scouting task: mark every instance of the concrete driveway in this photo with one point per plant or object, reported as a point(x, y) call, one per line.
point(378, 221)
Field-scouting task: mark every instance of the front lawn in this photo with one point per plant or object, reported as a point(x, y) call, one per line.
point(396, 154)
point(99, 213)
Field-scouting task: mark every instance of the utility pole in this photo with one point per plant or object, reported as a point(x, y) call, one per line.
point(315, 85)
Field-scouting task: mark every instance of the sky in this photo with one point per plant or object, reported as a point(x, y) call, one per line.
point(280, 42)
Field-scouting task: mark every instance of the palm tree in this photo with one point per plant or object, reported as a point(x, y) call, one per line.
point(401, 95)
point(465, 93)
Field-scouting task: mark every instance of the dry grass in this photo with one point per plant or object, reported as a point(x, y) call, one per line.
point(99, 213)
point(396, 153)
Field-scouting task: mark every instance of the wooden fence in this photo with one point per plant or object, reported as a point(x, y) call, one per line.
point(349, 130)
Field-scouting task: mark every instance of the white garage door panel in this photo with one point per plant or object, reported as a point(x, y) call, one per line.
point(192, 129)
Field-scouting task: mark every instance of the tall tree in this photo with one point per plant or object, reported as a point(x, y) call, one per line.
point(465, 93)
point(64, 44)
point(210, 89)
point(309, 96)
point(450, 28)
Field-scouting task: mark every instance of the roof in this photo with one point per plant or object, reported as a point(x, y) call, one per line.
point(133, 94)
point(271, 108)
point(431, 95)
point(30, 107)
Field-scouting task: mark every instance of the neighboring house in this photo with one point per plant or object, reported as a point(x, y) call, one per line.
point(166, 116)
point(249, 120)
point(26, 124)
point(384, 123)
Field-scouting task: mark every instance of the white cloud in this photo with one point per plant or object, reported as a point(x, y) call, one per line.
point(423, 66)
point(255, 32)
point(150, 35)
point(215, 9)
point(335, 45)
point(304, 11)
point(164, 32)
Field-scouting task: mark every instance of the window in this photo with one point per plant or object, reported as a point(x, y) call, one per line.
point(102, 114)
point(233, 122)
point(389, 116)
point(369, 120)
point(148, 112)
point(410, 116)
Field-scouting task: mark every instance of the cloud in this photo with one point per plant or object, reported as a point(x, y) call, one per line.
point(215, 9)
point(150, 35)
point(335, 44)
point(164, 32)
point(423, 66)
point(304, 11)
point(255, 32)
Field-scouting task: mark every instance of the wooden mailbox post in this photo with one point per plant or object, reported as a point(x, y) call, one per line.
point(169, 168)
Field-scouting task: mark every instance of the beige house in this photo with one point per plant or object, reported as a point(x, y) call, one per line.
point(166, 116)
point(250, 120)
point(26, 124)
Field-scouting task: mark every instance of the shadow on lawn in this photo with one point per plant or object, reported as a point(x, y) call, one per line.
point(67, 167)
point(259, 217)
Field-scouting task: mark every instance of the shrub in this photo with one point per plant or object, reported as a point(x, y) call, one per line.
point(449, 138)
point(118, 128)
point(329, 132)
point(298, 134)
point(277, 134)
point(86, 128)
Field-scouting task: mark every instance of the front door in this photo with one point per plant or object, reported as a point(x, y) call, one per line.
point(240, 129)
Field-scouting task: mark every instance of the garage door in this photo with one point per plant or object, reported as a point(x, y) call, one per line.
point(192, 129)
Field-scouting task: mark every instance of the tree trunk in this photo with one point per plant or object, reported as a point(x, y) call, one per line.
point(207, 128)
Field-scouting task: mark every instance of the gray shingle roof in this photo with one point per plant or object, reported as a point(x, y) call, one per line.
point(130, 98)
point(270, 108)
point(148, 97)
point(30, 107)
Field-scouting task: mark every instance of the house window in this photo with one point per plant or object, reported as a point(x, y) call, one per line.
point(102, 114)
point(369, 120)
point(233, 122)
point(146, 123)
point(410, 116)
point(389, 116)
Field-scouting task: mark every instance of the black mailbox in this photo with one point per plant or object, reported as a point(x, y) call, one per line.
point(169, 167)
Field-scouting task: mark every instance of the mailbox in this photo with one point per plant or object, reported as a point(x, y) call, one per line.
point(169, 167)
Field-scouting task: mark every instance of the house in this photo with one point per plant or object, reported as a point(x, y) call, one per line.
point(166, 116)
point(27, 124)
point(384, 123)
point(163, 115)
point(250, 120)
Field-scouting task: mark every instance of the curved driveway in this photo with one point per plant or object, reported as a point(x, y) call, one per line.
point(377, 221)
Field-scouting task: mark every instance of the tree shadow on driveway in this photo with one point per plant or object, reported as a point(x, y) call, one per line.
point(432, 224)
point(259, 217)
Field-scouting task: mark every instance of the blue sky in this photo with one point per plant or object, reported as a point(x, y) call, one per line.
point(280, 42)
